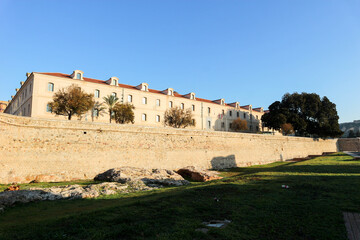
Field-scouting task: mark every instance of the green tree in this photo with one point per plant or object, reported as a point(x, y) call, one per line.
point(111, 101)
point(239, 125)
point(351, 134)
point(123, 113)
point(307, 113)
point(71, 101)
point(97, 110)
point(177, 117)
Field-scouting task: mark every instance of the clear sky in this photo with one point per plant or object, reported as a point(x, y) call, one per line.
point(247, 51)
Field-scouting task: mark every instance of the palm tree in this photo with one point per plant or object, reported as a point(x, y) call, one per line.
point(97, 110)
point(110, 101)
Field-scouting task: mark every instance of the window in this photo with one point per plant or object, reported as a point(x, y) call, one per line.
point(209, 110)
point(244, 115)
point(237, 114)
point(209, 124)
point(96, 112)
point(222, 125)
point(25, 92)
point(193, 107)
point(182, 106)
point(144, 100)
point(145, 88)
point(250, 128)
point(251, 116)
point(115, 82)
point(130, 98)
point(223, 112)
point(230, 125)
point(50, 87)
point(230, 113)
point(30, 88)
point(157, 118)
point(192, 96)
point(157, 102)
point(48, 108)
point(97, 93)
point(78, 76)
point(193, 122)
point(143, 117)
point(170, 104)
point(170, 92)
point(113, 94)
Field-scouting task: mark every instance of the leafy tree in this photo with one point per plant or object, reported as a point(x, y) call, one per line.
point(307, 113)
point(71, 101)
point(239, 125)
point(351, 134)
point(97, 110)
point(111, 101)
point(287, 129)
point(177, 117)
point(123, 113)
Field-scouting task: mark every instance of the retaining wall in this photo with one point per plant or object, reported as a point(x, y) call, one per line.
point(58, 150)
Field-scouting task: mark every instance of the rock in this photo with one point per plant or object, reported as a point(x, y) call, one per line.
point(198, 174)
point(151, 178)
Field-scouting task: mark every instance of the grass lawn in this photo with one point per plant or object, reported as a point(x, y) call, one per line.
point(252, 198)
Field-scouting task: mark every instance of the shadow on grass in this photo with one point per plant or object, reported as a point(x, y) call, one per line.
point(258, 209)
point(254, 201)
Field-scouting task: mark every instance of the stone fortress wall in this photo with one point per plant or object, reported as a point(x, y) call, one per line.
point(59, 150)
point(349, 144)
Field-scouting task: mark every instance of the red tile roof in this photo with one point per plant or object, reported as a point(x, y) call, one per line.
point(133, 87)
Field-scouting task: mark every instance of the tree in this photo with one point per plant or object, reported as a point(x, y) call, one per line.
point(287, 129)
point(71, 101)
point(123, 113)
point(239, 125)
point(177, 117)
point(97, 110)
point(307, 113)
point(351, 134)
point(110, 101)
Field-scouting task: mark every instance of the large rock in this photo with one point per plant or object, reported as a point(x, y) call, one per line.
point(10, 198)
point(151, 178)
point(199, 175)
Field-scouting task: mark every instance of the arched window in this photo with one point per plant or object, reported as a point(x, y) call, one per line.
point(48, 108)
point(115, 82)
point(157, 118)
point(193, 108)
point(182, 106)
point(144, 100)
point(78, 76)
point(170, 104)
point(157, 102)
point(143, 117)
point(97, 93)
point(113, 94)
point(50, 87)
point(129, 98)
point(170, 92)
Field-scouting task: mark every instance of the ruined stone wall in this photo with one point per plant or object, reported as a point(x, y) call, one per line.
point(349, 144)
point(58, 150)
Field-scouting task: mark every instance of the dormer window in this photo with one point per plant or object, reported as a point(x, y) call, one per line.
point(114, 81)
point(143, 87)
point(192, 96)
point(168, 91)
point(77, 74)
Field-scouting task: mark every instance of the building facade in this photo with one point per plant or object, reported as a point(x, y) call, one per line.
point(33, 96)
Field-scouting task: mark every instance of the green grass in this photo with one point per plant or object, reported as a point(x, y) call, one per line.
point(252, 198)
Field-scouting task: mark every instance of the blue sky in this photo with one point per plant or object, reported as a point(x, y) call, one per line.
point(247, 51)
